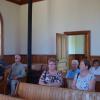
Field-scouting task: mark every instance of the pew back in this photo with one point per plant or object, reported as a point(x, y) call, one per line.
point(38, 92)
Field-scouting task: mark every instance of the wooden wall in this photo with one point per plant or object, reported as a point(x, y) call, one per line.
point(82, 56)
point(35, 58)
point(94, 57)
point(44, 58)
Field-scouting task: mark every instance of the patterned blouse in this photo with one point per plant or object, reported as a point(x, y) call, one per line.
point(82, 83)
point(47, 78)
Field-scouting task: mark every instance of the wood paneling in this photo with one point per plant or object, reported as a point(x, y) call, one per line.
point(21, 2)
point(9, 59)
point(35, 58)
point(94, 57)
point(43, 59)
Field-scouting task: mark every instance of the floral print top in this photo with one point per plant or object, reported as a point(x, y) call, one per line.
point(82, 83)
point(47, 78)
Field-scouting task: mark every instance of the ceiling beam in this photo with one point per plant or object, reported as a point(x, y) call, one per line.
point(21, 2)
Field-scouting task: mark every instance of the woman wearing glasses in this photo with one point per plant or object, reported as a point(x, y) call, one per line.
point(51, 77)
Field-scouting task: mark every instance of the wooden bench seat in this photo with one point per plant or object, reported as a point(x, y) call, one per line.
point(38, 92)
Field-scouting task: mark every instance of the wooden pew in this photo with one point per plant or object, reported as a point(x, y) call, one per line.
point(38, 92)
point(6, 97)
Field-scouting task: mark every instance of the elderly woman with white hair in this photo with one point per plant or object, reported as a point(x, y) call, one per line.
point(74, 69)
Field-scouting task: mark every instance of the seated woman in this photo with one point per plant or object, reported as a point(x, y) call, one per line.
point(51, 77)
point(95, 69)
point(84, 80)
point(74, 69)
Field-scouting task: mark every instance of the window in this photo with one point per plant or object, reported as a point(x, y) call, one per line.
point(1, 35)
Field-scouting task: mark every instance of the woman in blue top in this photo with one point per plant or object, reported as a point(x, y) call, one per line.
point(84, 80)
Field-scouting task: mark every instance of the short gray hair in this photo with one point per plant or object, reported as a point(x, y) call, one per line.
point(75, 62)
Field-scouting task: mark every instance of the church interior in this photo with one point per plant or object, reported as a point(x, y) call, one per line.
point(43, 34)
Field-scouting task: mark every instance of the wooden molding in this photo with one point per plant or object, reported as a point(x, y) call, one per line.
point(21, 2)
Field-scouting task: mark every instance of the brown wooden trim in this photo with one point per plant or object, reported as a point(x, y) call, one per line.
point(86, 32)
point(21, 2)
point(2, 34)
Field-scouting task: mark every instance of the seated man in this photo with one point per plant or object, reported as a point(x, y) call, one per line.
point(95, 69)
point(17, 72)
point(74, 69)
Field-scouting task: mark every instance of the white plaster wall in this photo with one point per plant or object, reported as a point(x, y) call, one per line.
point(49, 17)
point(10, 13)
point(52, 16)
point(40, 36)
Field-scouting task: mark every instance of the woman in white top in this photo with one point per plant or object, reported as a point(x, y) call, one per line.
point(84, 80)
